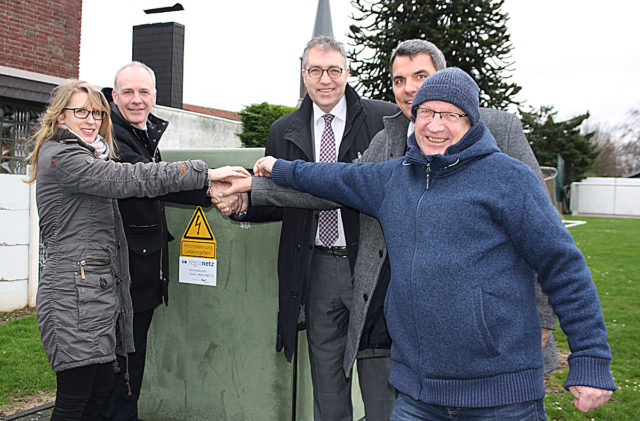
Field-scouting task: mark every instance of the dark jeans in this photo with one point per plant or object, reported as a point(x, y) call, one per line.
point(407, 409)
point(121, 406)
point(82, 392)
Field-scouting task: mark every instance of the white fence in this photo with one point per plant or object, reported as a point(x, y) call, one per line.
point(606, 196)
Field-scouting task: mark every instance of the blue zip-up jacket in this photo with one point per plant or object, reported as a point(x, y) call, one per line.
point(466, 231)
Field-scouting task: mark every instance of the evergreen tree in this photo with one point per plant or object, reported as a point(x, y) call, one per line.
point(256, 122)
point(472, 34)
point(549, 137)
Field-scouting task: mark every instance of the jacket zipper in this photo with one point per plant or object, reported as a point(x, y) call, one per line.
point(83, 264)
point(428, 174)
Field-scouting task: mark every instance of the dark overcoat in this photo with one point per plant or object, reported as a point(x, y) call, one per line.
point(291, 137)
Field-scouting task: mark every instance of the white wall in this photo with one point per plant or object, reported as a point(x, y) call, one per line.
point(606, 196)
point(15, 291)
point(192, 130)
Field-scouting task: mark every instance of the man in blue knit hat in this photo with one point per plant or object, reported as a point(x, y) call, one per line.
point(463, 320)
point(368, 342)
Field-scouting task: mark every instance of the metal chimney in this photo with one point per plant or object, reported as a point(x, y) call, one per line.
point(161, 47)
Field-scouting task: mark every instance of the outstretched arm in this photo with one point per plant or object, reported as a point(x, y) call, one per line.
point(265, 192)
point(356, 185)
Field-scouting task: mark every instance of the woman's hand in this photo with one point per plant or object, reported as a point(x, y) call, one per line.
point(217, 174)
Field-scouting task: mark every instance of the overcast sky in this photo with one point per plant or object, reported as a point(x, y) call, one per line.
point(576, 55)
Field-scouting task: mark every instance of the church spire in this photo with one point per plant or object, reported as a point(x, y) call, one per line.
point(323, 20)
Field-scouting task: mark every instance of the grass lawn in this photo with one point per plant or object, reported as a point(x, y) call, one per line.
point(612, 249)
point(24, 368)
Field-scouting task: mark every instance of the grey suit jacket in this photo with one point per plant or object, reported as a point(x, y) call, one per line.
point(387, 144)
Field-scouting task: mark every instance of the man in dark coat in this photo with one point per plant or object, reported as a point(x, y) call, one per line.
point(315, 268)
point(137, 134)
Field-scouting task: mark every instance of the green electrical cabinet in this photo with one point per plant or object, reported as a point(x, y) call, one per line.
point(211, 353)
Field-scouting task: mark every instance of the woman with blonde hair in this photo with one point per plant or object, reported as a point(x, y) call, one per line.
point(83, 302)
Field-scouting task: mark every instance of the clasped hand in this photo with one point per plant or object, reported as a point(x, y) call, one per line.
point(221, 179)
point(229, 185)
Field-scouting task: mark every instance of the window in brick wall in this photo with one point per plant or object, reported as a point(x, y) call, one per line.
point(17, 123)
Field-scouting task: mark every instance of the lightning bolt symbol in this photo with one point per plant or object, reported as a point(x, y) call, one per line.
point(197, 224)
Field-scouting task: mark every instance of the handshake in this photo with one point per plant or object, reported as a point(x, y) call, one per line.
point(229, 186)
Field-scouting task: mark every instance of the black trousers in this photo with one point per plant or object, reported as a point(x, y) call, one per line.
point(82, 392)
point(121, 406)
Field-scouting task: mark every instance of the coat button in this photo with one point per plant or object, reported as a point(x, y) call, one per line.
point(144, 251)
point(380, 253)
point(365, 296)
point(298, 247)
point(103, 283)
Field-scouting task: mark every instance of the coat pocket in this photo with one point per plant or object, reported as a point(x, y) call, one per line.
point(144, 239)
point(97, 294)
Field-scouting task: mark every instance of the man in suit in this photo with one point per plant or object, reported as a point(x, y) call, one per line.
point(317, 250)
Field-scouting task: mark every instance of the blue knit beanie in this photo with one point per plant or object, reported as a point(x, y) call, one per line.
point(452, 85)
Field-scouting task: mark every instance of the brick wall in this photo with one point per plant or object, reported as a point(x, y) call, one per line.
point(41, 36)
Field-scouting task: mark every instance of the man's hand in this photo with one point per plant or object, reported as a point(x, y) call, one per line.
point(264, 166)
point(545, 336)
point(230, 195)
point(587, 398)
point(230, 203)
point(233, 185)
point(220, 179)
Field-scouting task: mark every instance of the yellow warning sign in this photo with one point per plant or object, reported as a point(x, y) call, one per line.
point(198, 239)
point(198, 228)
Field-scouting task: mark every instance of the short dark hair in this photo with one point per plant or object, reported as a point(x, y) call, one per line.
point(413, 47)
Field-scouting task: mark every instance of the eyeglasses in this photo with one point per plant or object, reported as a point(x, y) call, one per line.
point(316, 72)
point(449, 117)
point(83, 113)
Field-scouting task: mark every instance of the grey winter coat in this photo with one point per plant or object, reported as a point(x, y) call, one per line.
point(83, 291)
point(387, 144)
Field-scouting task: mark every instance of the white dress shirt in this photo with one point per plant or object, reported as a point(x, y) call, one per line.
point(338, 124)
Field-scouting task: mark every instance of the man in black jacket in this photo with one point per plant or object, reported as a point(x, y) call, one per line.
point(317, 250)
point(137, 134)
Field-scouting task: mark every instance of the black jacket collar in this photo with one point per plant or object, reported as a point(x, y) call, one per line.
point(299, 131)
point(125, 132)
